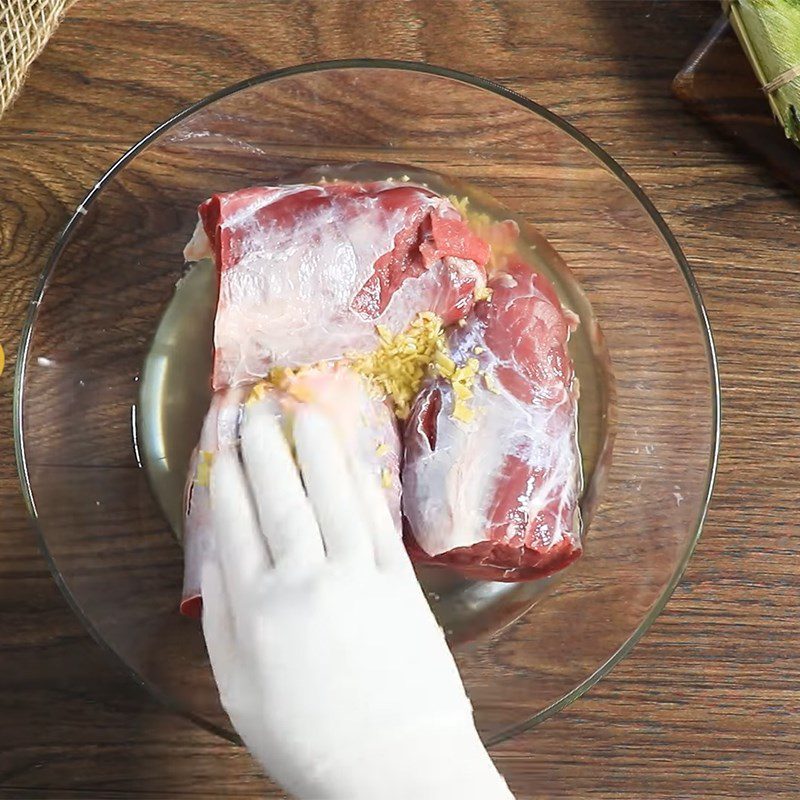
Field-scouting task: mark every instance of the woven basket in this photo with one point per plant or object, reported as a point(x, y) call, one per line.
point(25, 27)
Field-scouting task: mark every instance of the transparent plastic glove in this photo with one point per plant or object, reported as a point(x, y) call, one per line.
point(329, 662)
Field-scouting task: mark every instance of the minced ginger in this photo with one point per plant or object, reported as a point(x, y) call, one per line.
point(396, 368)
point(402, 361)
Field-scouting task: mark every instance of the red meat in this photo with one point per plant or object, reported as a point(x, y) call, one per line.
point(307, 271)
point(497, 497)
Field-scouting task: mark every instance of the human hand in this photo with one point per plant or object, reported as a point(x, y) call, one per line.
point(328, 659)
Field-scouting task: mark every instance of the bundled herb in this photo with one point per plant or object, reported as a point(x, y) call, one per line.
point(769, 31)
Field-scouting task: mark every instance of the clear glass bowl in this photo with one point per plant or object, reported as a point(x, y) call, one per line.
point(114, 270)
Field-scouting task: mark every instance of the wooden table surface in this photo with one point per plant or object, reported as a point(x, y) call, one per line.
point(708, 704)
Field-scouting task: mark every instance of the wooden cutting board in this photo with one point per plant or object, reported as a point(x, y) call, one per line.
point(718, 85)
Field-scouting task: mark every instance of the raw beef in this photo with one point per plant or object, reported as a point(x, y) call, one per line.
point(366, 425)
point(497, 497)
point(307, 271)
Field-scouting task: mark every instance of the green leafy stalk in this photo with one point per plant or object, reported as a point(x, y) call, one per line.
point(769, 31)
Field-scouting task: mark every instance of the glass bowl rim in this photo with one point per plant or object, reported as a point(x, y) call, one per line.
point(403, 66)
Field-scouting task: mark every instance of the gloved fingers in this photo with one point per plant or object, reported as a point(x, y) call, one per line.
point(331, 489)
point(227, 646)
point(218, 623)
point(287, 518)
point(220, 431)
point(387, 540)
point(229, 415)
point(240, 547)
point(208, 433)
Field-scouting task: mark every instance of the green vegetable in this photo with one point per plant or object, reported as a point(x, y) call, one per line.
point(769, 31)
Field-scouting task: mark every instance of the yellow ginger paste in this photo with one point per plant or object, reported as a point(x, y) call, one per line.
point(396, 368)
point(401, 362)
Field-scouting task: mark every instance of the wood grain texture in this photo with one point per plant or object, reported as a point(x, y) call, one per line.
point(707, 705)
point(718, 84)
